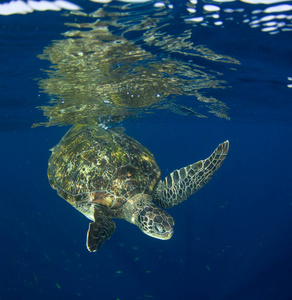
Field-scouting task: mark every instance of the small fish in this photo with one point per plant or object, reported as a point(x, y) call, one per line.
point(119, 272)
point(47, 257)
point(207, 267)
point(35, 277)
point(137, 258)
point(58, 286)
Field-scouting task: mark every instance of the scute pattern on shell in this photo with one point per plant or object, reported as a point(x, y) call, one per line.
point(91, 164)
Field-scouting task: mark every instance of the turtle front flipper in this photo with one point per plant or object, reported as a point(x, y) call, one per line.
point(180, 184)
point(99, 231)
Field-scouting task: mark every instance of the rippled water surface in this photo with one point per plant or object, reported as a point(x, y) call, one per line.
point(180, 77)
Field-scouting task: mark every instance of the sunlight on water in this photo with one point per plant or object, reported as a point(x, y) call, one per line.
point(222, 13)
point(21, 7)
point(205, 13)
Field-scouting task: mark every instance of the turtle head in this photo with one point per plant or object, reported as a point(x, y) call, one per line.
point(155, 222)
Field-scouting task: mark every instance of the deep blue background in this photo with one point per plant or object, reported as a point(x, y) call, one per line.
point(232, 240)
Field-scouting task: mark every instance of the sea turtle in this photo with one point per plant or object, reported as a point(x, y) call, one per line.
point(106, 174)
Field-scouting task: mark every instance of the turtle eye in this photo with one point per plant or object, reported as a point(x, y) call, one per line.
point(159, 228)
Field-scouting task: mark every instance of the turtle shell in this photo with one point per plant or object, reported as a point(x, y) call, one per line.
point(103, 166)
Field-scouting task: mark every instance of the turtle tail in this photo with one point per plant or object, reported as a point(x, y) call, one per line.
point(182, 183)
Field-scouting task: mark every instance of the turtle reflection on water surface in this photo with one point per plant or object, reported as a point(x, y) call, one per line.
point(105, 174)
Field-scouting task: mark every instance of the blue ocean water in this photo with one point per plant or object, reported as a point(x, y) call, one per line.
point(232, 239)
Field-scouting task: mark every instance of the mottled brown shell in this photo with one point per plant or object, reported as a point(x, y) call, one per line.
point(92, 164)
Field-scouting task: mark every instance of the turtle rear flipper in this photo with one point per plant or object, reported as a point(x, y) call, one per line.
point(99, 231)
point(180, 184)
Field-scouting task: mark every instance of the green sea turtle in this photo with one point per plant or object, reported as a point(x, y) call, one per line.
point(105, 174)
